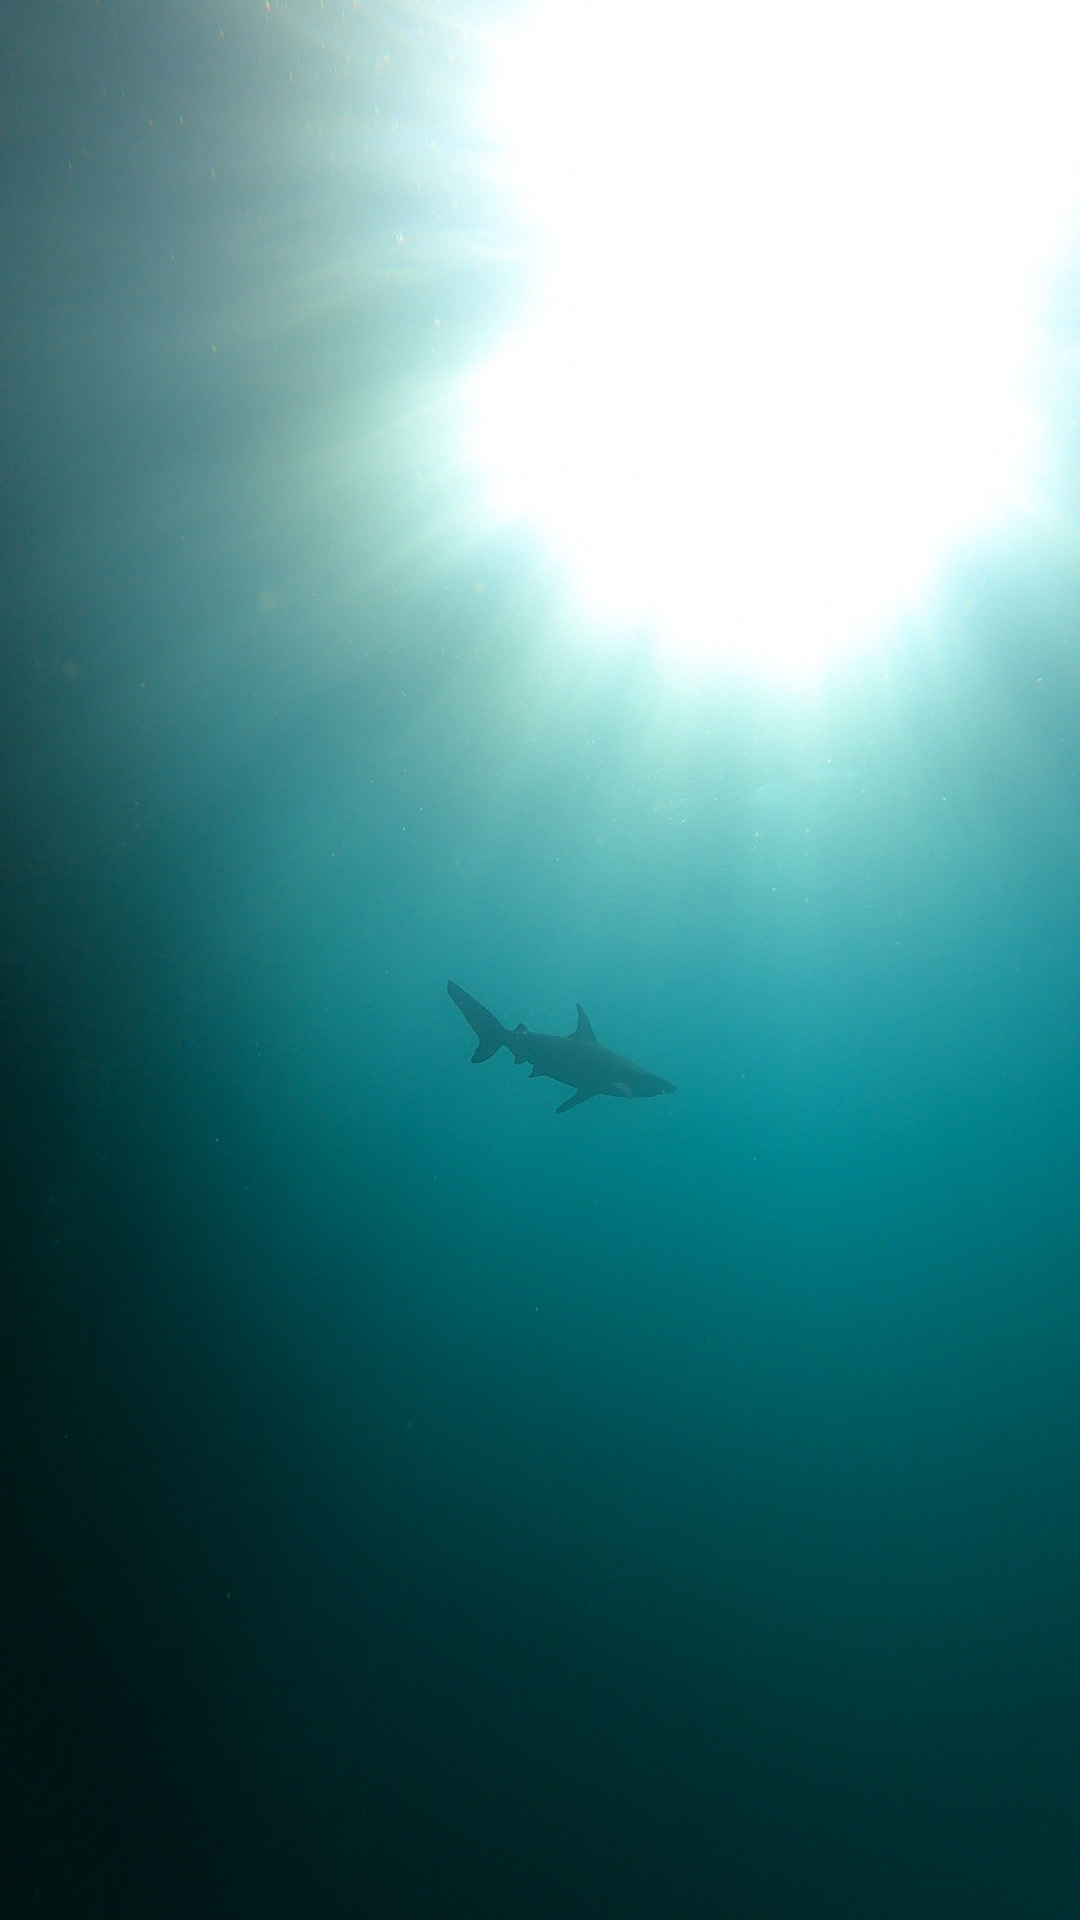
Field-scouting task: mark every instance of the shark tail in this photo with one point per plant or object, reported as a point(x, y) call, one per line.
point(490, 1032)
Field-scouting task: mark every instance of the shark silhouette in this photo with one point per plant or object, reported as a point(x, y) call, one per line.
point(577, 1059)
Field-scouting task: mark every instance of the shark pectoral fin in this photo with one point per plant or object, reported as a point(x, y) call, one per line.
point(576, 1100)
point(620, 1089)
point(537, 1075)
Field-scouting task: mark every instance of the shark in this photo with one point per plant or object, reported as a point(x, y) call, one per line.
point(575, 1059)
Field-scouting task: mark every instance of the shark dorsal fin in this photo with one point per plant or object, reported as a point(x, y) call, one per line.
point(583, 1031)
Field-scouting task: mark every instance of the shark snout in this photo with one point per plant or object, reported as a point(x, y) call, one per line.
point(649, 1088)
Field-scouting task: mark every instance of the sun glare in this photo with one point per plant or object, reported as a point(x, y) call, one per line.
point(789, 267)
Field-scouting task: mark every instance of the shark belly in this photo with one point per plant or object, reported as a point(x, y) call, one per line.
point(552, 1059)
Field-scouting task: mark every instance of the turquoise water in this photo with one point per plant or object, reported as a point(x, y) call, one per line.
point(420, 1504)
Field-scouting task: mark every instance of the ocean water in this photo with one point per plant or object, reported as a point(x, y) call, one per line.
point(416, 1503)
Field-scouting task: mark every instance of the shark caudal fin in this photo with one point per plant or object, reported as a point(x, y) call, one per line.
point(490, 1032)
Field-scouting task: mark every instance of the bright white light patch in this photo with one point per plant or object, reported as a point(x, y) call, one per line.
point(791, 264)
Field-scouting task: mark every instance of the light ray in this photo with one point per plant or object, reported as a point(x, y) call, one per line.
point(780, 355)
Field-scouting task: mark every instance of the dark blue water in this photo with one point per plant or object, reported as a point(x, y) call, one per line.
point(415, 1503)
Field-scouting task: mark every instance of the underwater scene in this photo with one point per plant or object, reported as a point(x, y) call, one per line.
point(540, 923)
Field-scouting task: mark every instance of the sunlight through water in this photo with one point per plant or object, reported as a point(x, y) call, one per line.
point(788, 268)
